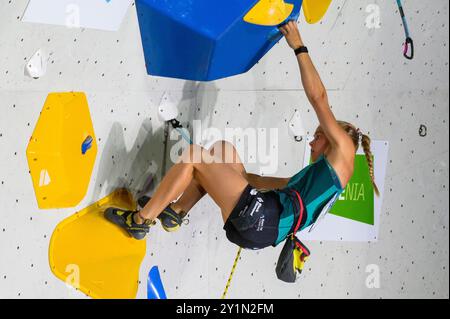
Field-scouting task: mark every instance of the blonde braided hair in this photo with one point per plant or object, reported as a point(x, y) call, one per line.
point(359, 138)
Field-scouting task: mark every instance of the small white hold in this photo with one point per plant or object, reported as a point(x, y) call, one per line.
point(36, 67)
point(167, 108)
point(296, 127)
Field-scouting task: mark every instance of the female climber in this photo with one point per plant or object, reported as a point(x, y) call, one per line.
point(258, 211)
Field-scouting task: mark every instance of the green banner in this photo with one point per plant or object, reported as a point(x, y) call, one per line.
point(357, 200)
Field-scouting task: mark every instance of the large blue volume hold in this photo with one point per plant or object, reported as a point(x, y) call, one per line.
point(203, 40)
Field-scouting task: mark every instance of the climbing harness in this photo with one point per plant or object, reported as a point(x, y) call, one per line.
point(232, 272)
point(408, 46)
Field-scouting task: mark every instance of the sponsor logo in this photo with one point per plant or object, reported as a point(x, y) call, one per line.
point(257, 206)
point(261, 224)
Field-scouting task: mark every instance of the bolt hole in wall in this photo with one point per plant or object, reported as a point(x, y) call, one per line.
point(90, 103)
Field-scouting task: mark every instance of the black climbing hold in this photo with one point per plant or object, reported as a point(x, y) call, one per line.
point(422, 130)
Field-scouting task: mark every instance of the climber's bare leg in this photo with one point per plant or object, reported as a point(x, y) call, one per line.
point(222, 150)
point(220, 180)
point(190, 197)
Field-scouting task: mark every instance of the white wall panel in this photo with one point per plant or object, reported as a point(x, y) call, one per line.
point(369, 83)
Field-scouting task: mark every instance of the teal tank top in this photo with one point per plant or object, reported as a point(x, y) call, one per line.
point(318, 185)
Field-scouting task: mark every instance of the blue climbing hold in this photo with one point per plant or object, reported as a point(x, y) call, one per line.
point(87, 144)
point(155, 288)
point(205, 40)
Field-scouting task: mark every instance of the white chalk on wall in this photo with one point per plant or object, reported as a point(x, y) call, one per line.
point(95, 14)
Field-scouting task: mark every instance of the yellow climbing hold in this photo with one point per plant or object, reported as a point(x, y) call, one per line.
point(314, 10)
point(95, 256)
point(269, 12)
point(61, 152)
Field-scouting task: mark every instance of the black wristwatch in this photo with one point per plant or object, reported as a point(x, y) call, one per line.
point(300, 50)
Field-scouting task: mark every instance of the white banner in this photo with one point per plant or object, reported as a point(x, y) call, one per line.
point(96, 14)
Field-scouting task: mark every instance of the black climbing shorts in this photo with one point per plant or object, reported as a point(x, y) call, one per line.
point(253, 223)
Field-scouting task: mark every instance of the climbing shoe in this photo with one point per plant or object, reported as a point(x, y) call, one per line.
point(124, 219)
point(169, 218)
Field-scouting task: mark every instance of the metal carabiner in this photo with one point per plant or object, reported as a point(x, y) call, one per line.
point(408, 46)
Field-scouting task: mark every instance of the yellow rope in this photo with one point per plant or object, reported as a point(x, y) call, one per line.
point(232, 272)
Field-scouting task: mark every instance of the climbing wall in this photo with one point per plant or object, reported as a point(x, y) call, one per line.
point(357, 50)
